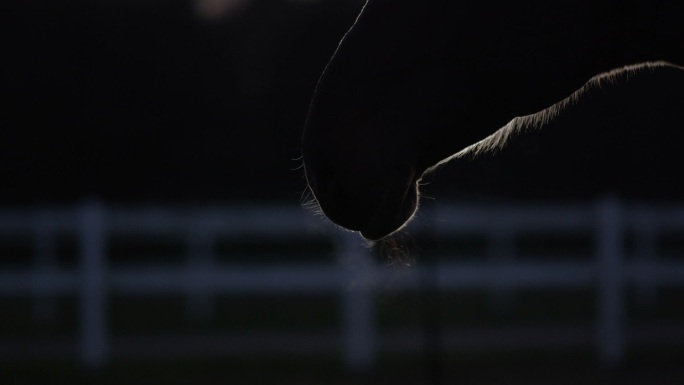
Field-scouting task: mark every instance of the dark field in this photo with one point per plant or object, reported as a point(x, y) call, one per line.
point(534, 338)
point(575, 367)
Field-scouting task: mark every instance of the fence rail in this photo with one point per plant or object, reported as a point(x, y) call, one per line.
point(355, 278)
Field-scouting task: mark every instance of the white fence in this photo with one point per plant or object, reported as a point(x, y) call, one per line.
point(355, 278)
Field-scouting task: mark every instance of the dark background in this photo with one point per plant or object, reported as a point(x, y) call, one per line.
point(176, 101)
point(134, 101)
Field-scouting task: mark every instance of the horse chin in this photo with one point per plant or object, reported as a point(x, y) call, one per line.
point(387, 211)
point(394, 211)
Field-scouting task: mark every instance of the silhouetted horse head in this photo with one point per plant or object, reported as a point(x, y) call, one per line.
point(368, 124)
point(408, 73)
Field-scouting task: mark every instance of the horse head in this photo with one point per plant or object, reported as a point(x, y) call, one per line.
point(361, 142)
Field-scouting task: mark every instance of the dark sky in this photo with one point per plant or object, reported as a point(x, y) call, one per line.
point(135, 101)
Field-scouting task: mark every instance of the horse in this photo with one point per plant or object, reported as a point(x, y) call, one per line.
point(415, 84)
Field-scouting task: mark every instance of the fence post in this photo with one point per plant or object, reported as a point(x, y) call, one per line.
point(357, 305)
point(201, 260)
point(645, 255)
point(44, 254)
point(92, 244)
point(500, 252)
point(611, 282)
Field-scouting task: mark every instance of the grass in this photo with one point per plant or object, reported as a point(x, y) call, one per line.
point(558, 368)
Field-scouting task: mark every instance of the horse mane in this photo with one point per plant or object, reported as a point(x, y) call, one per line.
point(498, 140)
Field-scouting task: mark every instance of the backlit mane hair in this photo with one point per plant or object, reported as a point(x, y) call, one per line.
point(498, 139)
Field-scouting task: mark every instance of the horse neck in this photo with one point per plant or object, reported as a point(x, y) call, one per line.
point(526, 58)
